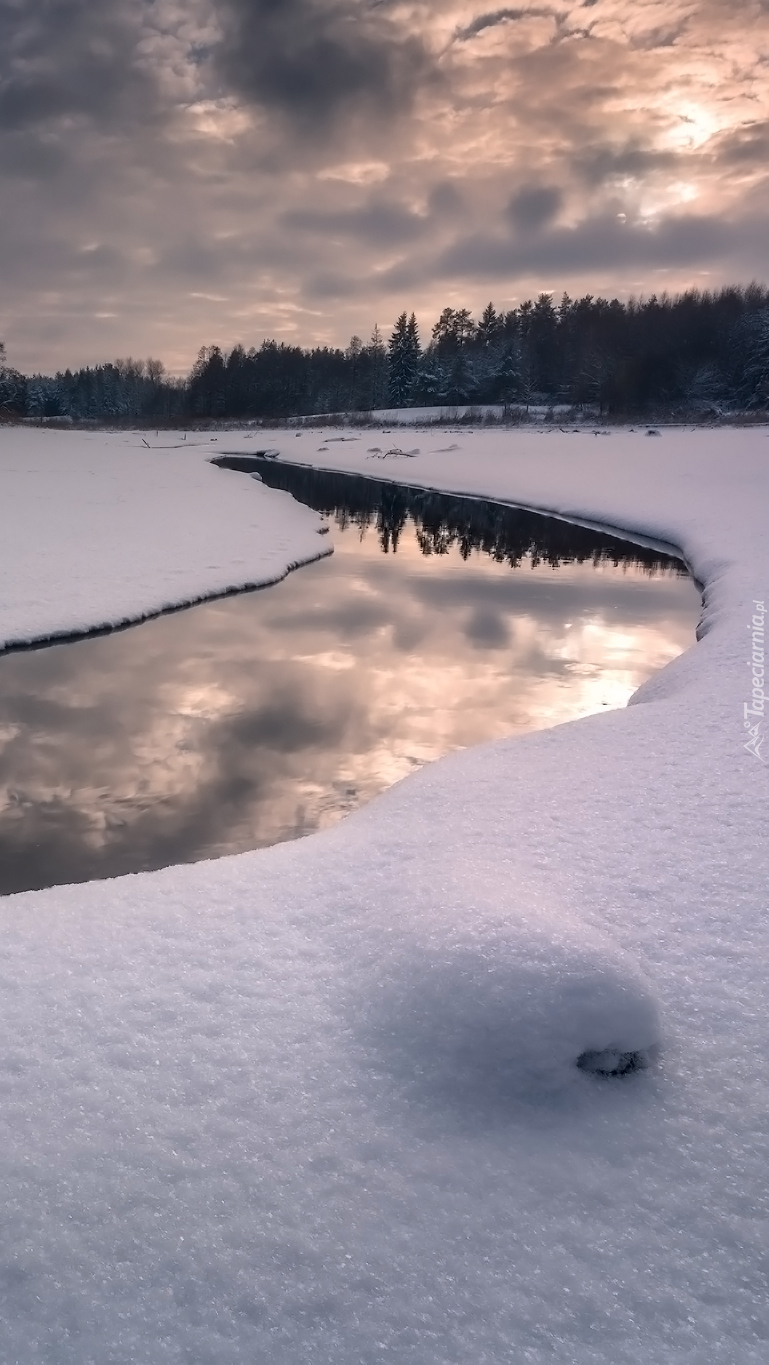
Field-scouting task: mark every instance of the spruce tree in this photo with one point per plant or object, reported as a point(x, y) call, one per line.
point(403, 355)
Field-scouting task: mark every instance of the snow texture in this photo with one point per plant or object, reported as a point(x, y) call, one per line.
point(98, 530)
point(449, 413)
point(321, 1103)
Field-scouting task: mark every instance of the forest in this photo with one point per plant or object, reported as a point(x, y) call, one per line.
point(696, 354)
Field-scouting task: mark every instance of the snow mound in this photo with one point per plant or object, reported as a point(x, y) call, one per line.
point(488, 1003)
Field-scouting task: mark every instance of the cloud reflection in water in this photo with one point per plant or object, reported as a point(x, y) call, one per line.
point(258, 718)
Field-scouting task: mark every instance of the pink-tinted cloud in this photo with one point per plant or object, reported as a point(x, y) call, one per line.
point(227, 170)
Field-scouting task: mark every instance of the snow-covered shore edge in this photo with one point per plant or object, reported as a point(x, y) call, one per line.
point(98, 531)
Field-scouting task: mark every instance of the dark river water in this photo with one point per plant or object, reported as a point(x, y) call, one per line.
point(437, 623)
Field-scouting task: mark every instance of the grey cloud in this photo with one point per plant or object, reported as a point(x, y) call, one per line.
point(748, 145)
point(332, 285)
point(500, 16)
point(494, 18)
point(445, 200)
point(487, 629)
point(188, 258)
point(312, 61)
point(378, 222)
point(70, 58)
point(602, 244)
point(404, 277)
point(534, 206)
point(666, 35)
point(351, 620)
point(597, 164)
point(285, 726)
point(25, 155)
point(524, 594)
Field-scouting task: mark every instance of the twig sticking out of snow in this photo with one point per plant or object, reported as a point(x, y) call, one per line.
point(394, 452)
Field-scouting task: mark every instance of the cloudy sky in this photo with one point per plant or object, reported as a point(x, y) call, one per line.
point(181, 172)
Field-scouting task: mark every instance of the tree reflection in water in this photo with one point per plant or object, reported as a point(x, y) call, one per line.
point(509, 535)
point(267, 715)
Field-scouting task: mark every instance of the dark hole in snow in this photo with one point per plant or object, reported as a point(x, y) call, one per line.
point(611, 1062)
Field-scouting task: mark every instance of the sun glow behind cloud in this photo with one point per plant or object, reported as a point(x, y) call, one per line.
point(308, 169)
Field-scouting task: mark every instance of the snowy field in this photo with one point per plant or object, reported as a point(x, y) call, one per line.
point(98, 529)
point(453, 413)
point(319, 1104)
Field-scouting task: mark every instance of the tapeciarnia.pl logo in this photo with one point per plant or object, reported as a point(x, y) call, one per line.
point(754, 710)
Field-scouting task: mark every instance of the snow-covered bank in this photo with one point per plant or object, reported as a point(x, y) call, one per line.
point(96, 529)
point(318, 1103)
point(446, 415)
point(449, 414)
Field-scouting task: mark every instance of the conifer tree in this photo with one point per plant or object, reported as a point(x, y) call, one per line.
point(378, 359)
point(403, 354)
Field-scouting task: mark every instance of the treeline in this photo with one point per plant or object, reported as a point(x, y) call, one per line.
point(695, 353)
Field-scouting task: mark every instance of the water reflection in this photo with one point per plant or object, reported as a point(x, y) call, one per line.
point(442, 521)
point(258, 718)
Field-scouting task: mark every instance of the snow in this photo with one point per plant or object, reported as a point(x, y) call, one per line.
point(447, 414)
point(320, 1103)
point(82, 545)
